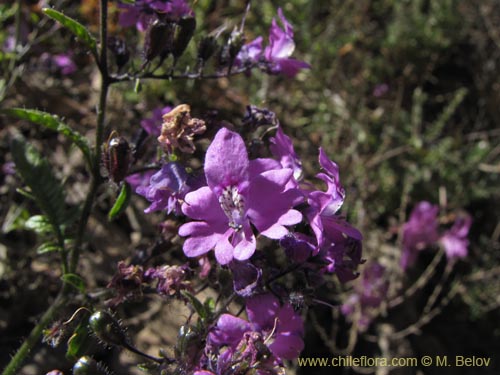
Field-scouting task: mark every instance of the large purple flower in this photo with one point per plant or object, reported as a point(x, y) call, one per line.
point(420, 231)
point(240, 193)
point(281, 47)
point(282, 148)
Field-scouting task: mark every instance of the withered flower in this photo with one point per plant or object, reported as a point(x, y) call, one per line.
point(179, 128)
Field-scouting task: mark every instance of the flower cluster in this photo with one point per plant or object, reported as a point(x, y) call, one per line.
point(272, 333)
point(247, 211)
point(423, 230)
point(275, 58)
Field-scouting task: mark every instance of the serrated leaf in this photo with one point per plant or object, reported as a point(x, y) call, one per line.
point(39, 224)
point(75, 27)
point(54, 123)
point(45, 188)
point(197, 305)
point(79, 342)
point(74, 280)
point(121, 202)
point(48, 247)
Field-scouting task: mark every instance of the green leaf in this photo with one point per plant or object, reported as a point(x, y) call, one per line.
point(75, 27)
point(39, 224)
point(74, 280)
point(79, 342)
point(48, 247)
point(197, 305)
point(54, 123)
point(121, 202)
point(45, 188)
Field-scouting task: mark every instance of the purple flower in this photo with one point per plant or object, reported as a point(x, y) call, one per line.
point(282, 148)
point(273, 333)
point(139, 179)
point(171, 279)
point(420, 231)
point(166, 189)
point(267, 315)
point(454, 240)
point(369, 294)
point(380, 90)
point(281, 47)
point(144, 12)
point(239, 194)
point(342, 249)
point(152, 125)
point(250, 53)
point(325, 204)
point(246, 278)
point(64, 63)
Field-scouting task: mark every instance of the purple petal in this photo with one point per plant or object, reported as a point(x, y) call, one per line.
point(226, 161)
point(287, 346)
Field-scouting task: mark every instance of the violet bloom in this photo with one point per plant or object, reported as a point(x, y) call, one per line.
point(142, 13)
point(239, 194)
point(267, 314)
point(152, 125)
point(64, 63)
point(282, 148)
point(420, 231)
point(325, 204)
point(454, 240)
point(281, 47)
point(250, 53)
point(369, 294)
point(166, 189)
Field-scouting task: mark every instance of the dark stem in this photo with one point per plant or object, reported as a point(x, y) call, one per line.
point(34, 337)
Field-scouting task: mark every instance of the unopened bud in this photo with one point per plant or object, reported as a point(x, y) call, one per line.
point(116, 157)
point(207, 48)
point(183, 34)
point(107, 329)
point(232, 48)
point(120, 51)
point(88, 366)
point(159, 39)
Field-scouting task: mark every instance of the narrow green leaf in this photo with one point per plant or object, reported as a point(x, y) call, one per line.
point(75, 27)
point(39, 224)
point(74, 280)
point(54, 123)
point(79, 342)
point(48, 247)
point(45, 188)
point(197, 305)
point(121, 202)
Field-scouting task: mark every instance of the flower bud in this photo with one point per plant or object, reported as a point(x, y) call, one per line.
point(88, 366)
point(159, 39)
point(116, 157)
point(120, 51)
point(183, 34)
point(231, 49)
point(107, 329)
point(207, 47)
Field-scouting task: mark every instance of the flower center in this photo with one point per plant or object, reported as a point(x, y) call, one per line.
point(233, 205)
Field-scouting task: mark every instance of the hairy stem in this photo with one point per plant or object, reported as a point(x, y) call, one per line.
point(34, 337)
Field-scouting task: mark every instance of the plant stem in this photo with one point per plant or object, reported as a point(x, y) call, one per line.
point(99, 135)
point(34, 337)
